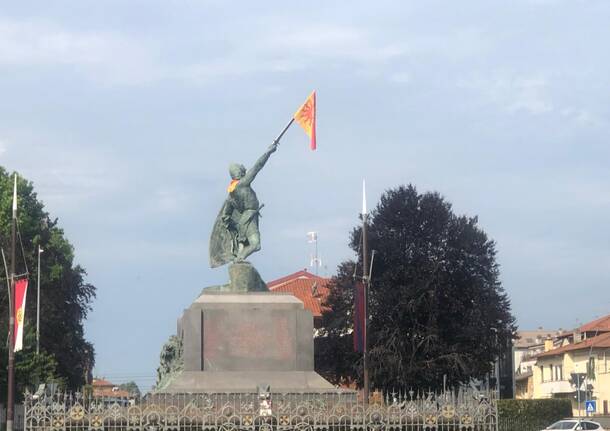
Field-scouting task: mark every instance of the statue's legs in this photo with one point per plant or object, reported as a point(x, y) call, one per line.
point(254, 245)
point(249, 235)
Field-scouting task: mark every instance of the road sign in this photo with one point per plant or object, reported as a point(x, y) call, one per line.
point(590, 406)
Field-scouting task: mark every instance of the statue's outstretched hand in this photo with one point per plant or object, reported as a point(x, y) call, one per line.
point(273, 147)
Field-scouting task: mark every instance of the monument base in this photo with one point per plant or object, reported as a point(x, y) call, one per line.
point(235, 342)
point(285, 382)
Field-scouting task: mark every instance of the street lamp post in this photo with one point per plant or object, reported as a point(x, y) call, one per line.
point(578, 393)
point(578, 383)
point(10, 397)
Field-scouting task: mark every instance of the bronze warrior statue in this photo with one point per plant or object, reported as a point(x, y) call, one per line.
point(235, 235)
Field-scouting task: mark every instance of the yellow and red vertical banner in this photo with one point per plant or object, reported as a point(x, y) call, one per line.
point(21, 289)
point(306, 118)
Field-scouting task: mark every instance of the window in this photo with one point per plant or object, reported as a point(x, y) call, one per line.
point(589, 426)
point(558, 372)
point(541, 373)
point(551, 376)
point(562, 425)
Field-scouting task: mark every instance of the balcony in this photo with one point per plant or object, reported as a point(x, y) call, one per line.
point(556, 387)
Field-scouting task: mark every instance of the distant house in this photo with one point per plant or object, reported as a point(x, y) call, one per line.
point(586, 353)
point(526, 347)
point(309, 288)
point(108, 391)
point(594, 328)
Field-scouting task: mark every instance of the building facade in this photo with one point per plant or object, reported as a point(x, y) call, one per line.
point(578, 370)
point(525, 349)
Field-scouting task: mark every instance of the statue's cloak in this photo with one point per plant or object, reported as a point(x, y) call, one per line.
point(222, 242)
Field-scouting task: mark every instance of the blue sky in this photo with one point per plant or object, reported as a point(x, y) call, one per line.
point(126, 115)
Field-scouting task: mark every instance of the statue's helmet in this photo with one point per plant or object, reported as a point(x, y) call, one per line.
point(237, 170)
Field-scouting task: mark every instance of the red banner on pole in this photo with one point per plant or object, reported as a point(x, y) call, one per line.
point(359, 298)
point(21, 289)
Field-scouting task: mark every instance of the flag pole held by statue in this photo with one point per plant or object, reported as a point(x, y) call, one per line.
point(305, 116)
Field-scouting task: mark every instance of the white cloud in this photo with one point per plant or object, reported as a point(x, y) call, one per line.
point(514, 93)
point(528, 94)
point(115, 58)
point(171, 199)
point(557, 256)
point(401, 78)
point(582, 117)
point(294, 50)
point(104, 55)
point(534, 94)
point(76, 179)
point(545, 2)
point(331, 42)
point(131, 249)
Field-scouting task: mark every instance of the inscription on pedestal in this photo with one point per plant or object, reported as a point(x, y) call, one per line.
point(247, 332)
point(254, 340)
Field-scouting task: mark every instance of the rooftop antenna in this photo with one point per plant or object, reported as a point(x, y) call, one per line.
point(315, 261)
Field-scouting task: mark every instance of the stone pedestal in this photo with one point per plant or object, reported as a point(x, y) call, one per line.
point(245, 278)
point(233, 342)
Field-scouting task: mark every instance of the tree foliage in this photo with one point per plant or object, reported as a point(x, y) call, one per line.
point(533, 414)
point(436, 304)
point(132, 388)
point(65, 295)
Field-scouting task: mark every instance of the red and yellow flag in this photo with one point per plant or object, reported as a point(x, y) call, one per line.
point(21, 289)
point(306, 117)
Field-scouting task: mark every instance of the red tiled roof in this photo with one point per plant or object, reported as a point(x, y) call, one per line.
point(602, 324)
point(107, 392)
point(602, 341)
point(104, 388)
point(301, 284)
point(304, 274)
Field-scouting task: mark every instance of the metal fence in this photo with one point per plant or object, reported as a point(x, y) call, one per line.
point(461, 411)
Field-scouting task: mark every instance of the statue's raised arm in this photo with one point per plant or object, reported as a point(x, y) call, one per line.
point(235, 235)
point(255, 169)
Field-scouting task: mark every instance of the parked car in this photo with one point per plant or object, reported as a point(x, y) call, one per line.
point(575, 425)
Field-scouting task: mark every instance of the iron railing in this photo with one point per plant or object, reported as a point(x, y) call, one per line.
point(460, 411)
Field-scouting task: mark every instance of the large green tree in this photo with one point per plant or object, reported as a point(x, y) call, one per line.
point(65, 299)
point(132, 388)
point(437, 307)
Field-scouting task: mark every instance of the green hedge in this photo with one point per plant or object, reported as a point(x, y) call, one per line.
point(531, 415)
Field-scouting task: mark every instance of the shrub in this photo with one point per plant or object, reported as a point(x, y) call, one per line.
point(531, 415)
